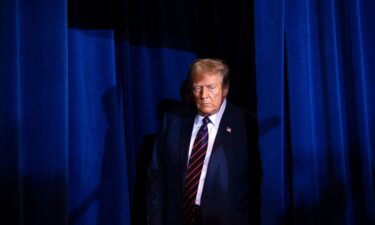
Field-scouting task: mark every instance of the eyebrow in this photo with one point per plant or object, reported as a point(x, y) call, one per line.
point(196, 85)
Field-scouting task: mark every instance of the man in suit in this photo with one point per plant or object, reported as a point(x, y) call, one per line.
point(205, 168)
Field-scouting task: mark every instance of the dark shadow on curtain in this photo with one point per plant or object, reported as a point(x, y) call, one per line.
point(44, 200)
point(26, 199)
point(329, 208)
point(10, 183)
point(138, 211)
point(358, 180)
point(106, 193)
point(29, 200)
point(268, 124)
point(110, 183)
point(209, 28)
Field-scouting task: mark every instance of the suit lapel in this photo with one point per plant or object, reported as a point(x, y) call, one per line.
point(225, 128)
point(187, 124)
point(222, 142)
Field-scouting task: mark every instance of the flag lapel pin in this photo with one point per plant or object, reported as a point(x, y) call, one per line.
point(229, 130)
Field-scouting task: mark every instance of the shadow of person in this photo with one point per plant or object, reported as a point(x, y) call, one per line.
point(110, 183)
point(138, 211)
point(111, 186)
point(108, 192)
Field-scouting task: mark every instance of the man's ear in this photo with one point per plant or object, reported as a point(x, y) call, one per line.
point(225, 91)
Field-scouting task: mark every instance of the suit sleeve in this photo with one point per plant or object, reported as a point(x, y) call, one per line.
point(156, 180)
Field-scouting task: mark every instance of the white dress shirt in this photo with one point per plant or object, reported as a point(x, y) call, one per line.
point(212, 127)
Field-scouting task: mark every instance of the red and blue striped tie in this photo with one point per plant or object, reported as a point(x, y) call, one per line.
point(194, 170)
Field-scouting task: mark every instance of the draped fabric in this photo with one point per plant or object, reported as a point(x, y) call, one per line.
point(315, 77)
point(83, 84)
point(62, 145)
point(34, 113)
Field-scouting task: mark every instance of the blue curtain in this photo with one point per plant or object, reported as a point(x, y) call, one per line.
point(83, 84)
point(315, 77)
point(62, 137)
point(34, 114)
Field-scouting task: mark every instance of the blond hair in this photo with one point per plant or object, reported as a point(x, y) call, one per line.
point(211, 66)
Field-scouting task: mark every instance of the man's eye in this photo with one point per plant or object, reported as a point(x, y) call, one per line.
point(197, 89)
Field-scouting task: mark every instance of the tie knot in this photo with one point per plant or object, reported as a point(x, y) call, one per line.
point(206, 120)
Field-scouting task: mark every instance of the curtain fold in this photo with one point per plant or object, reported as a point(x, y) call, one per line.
point(34, 96)
point(327, 175)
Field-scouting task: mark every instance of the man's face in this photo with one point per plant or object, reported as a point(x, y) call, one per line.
point(208, 92)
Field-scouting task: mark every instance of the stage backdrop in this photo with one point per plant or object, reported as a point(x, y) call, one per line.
point(84, 83)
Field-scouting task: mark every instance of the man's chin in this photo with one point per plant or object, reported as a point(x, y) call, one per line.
point(206, 111)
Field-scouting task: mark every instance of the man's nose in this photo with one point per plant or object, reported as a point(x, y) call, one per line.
point(204, 92)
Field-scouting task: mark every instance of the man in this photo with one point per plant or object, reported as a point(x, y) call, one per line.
point(205, 169)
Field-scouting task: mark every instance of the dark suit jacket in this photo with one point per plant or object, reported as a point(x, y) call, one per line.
point(231, 192)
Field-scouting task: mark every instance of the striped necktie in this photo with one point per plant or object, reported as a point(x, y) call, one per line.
point(194, 170)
